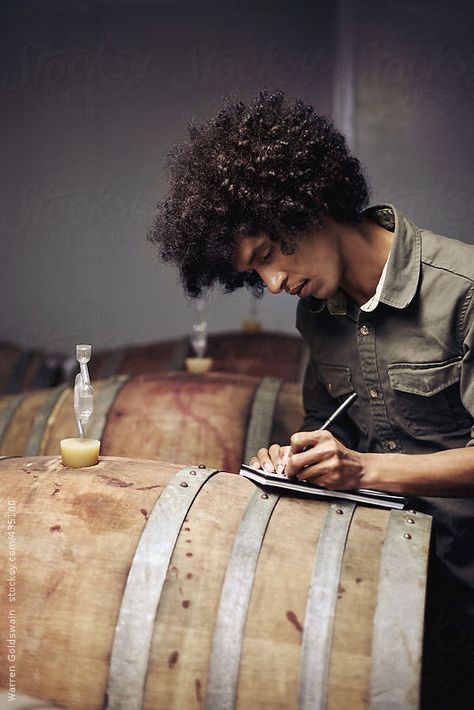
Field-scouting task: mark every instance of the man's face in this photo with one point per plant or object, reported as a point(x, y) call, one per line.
point(313, 269)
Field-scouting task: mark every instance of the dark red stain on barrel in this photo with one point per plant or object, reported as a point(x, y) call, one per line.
point(197, 685)
point(116, 482)
point(186, 603)
point(55, 528)
point(182, 398)
point(293, 619)
point(173, 659)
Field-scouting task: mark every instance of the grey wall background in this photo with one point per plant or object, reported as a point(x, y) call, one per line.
point(94, 93)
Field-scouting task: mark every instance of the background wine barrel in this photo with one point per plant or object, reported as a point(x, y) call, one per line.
point(260, 354)
point(22, 370)
point(215, 418)
point(125, 573)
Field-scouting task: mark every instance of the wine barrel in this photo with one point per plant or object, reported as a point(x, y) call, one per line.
point(142, 585)
point(259, 354)
point(22, 370)
point(217, 418)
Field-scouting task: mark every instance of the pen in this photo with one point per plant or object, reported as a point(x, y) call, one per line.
point(342, 408)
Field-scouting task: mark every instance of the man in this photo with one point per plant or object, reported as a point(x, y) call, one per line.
point(267, 195)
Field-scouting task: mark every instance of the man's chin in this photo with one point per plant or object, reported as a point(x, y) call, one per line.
point(320, 293)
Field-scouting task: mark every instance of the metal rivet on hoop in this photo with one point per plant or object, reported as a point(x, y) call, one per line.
point(185, 484)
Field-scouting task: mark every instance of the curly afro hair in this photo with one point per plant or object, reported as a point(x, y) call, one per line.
point(268, 166)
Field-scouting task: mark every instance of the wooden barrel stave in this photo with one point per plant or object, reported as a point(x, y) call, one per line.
point(22, 370)
point(16, 435)
point(77, 533)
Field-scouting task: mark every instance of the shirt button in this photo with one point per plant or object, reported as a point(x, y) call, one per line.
point(373, 393)
point(364, 330)
point(391, 444)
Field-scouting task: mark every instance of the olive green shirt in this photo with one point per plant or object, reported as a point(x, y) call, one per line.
point(411, 361)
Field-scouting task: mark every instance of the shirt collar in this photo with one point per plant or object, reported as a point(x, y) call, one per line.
point(403, 266)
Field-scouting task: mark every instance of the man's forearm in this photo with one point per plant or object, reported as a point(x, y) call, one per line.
point(445, 473)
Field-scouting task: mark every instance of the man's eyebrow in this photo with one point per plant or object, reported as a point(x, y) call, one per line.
point(252, 258)
point(254, 253)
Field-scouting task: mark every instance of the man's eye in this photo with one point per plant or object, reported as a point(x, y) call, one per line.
point(267, 256)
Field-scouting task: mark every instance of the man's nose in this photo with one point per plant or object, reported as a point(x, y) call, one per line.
point(274, 280)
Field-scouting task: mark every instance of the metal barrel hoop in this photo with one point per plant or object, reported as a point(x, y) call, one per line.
point(146, 578)
point(261, 416)
point(321, 607)
point(224, 663)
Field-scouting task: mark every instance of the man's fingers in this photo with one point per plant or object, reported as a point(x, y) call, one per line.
point(308, 449)
point(304, 439)
point(262, 460)
point(271, 459)
point(313, 455)
point(275, 455)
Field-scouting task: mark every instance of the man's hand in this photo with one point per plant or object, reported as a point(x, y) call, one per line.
point(315, 456)
point(318, 457)
point(272, 459)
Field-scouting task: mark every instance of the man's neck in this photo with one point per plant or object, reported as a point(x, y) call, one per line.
point(365, 248)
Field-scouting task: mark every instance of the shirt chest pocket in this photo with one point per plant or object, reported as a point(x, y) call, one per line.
point(427, 396)
point(336, 379)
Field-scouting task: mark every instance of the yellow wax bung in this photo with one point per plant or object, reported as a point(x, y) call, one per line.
point(78, 453)
point(251, 325)
point(198, 364)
